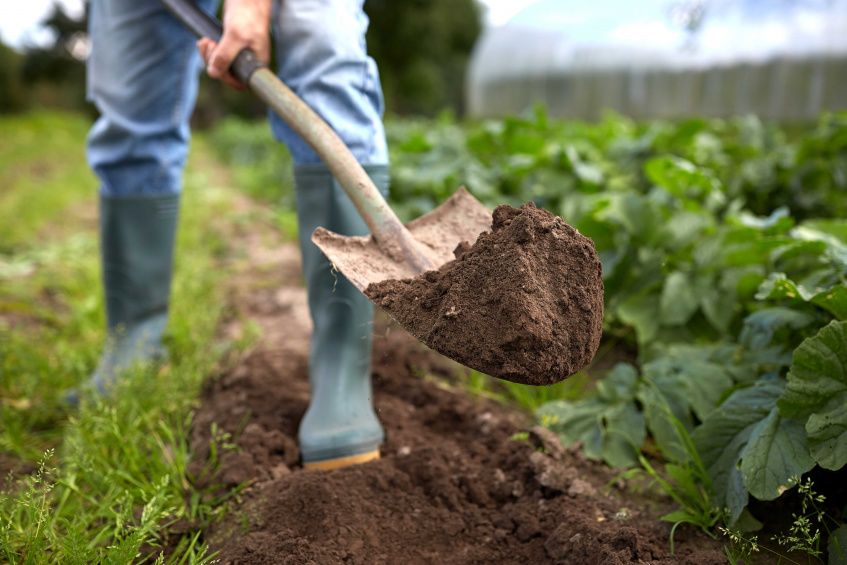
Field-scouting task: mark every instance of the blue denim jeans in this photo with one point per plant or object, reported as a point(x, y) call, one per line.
point(143, 74)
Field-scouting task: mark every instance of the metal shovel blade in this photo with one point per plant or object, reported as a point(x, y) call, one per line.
point(460, 218)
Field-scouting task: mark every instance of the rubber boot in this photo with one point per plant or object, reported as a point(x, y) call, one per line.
point(340, 427)
point(137, 235)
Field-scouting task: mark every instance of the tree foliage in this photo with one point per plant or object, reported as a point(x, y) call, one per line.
point(12, 95)
point(422, 48)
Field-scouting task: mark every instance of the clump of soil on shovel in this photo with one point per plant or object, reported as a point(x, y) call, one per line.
point(524, 303)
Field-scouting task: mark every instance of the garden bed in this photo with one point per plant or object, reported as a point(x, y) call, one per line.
point(461, 479)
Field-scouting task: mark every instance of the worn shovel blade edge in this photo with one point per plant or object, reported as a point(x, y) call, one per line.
point(459, 218)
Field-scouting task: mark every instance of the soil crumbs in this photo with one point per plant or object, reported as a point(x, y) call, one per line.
point(523, 303)
point(453, 486)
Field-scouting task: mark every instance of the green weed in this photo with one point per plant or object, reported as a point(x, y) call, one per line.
point(685, 480)
point(740, 549)
point(804, 535)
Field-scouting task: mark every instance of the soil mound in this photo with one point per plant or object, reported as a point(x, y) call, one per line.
point(454, 486)
point(524, 303)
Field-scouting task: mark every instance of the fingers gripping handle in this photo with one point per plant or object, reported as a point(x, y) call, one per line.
point(202, 24)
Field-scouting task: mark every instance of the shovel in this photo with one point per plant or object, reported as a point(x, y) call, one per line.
point(392, 251)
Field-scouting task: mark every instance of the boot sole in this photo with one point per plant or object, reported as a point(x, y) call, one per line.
point(331, 464)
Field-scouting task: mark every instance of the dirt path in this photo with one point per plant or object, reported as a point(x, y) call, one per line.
point(452, 485)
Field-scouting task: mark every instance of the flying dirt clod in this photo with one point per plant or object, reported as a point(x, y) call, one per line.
point(524, 303)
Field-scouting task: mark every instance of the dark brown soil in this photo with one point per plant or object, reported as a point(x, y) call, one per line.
point(453, 486)
point(524, 303)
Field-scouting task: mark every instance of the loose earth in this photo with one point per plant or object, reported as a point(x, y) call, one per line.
point(524, 303)
point(455, 484)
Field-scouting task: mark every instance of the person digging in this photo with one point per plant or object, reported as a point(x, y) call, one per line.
point(142, 75)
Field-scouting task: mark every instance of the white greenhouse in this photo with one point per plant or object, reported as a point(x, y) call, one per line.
point(780, 59)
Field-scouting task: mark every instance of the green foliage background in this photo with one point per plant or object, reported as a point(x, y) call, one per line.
point(422, 48)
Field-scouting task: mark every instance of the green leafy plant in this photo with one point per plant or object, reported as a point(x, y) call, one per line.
point(724, 251)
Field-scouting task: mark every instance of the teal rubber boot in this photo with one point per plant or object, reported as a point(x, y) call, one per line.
point(340, 427)
point(137, 235)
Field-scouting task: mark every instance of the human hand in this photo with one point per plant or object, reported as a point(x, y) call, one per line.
point(246, 23)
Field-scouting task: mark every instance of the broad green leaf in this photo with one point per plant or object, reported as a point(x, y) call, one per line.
point(619, 384)
point(778, 286)
point(683, 228)
point(775, 453)
point(624, 434)
point(718, 302)
point(834, 300)
point(799, 253)
point(755, 252)
point(703, 382)
point(610, 431)
point(673, 388)
point(836, 546)
point(680, 177)
point(526, 144)
point(724, 435)
point(640, 312)
point(665, 406)
point(760, 327)
point(737, 496)
point(586, 172)
point(610, 424)
point(635, 213)
point(415, 143)
point(747, 522)
point(817, 390)
point(834, 239)
point(679, 299)
point(708, 253)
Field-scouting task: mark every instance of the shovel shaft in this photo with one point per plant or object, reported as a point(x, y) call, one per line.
point(391, 235)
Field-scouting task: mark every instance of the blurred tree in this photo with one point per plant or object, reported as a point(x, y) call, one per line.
point(55, 73)
point(422, 48)
point(12, 95)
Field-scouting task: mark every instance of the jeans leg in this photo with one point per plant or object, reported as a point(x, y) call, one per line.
point(323, 59)
point(142, 75)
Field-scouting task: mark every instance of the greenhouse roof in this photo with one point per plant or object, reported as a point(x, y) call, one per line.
point(553, 35)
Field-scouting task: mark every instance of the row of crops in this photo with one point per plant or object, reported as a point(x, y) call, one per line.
point(724, 248)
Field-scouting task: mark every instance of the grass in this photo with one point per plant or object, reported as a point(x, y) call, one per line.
point(42, 172)
point(113, 476)
point(260, 167)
